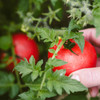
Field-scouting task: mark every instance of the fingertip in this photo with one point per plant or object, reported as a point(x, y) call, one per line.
point(89, 77)
point(94, 91)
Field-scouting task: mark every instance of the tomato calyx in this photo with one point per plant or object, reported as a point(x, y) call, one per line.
point(69, 45)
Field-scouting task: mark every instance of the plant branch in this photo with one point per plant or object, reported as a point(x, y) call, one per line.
point(58, 48)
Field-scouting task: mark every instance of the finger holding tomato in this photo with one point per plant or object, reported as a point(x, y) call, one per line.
point(90, 77)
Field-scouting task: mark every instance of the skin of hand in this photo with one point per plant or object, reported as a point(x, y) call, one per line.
point(90, 77)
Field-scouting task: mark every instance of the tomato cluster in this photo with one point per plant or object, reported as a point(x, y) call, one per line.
point(25, 47)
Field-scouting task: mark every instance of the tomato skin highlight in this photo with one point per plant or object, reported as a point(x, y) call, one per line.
point(87, 59)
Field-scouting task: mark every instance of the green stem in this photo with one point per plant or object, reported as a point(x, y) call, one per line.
point(11, 84)
point(43, 80)
point(15, 62)
point(58, 48)
point(41, 86)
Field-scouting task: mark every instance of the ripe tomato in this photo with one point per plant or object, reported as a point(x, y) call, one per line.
point(24, 48)
point(10, 66)
point(77, 61)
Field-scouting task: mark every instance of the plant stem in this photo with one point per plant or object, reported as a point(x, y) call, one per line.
point(15, 62)
point(58, 48)
point(43, 80)
point(41, 86)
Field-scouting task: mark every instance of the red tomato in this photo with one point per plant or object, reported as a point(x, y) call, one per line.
point(25, 47)
point(11, 65)
point(87, 59)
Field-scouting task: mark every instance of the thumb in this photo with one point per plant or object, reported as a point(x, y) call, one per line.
point(90, 77)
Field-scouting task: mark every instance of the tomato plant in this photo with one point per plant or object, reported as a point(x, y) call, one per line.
point(24, 47)
point(74, 57)
point(46, 21)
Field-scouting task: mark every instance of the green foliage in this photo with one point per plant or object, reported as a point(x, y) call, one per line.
point(26, 68)
point(60, 82)
point(76, 96)
point(23, 5)
point(80, 41)
point(95, 98)
point(56, 62)
point(49, 84)
point(5, 42)
point(96, 19)
point(2, 65)
point(83, 14)
point(38, 79)
point(7, 84)
point(52, 15)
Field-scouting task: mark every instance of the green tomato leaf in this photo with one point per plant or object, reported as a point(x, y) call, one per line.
point(23, 5)
point(39, 64)
point(96, 19)
point(80, 41)
point(5, 42)
point(34, 75)
point(13, 91)
point(32, 61)
point(76, 96)
point(24, 68)
point(53, 2)
point(59, 82)
point(51, 51)
point(46, 34)
point(27, 96)
point(6, 82)
point(34, 87)
point(56, 62)
point(94, 98)
point(2, 65)
point(72, 26)
point(44, 93)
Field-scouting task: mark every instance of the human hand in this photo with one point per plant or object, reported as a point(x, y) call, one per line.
point(90, 77)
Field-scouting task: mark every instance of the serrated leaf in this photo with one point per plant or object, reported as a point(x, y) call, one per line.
point(50, 86)
point(46, 34)
point(39, 64)
point(56, 62)
point(13, 91)
point(72, 25)
point(6, 81)
point(34, 87)
point(51, 50)
point(24, 68)
point(27, 96)
point(5, 42)
point(32, 60)
point(44, 93)
point(60, 82)
point(80, 41)
point(34, 75)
